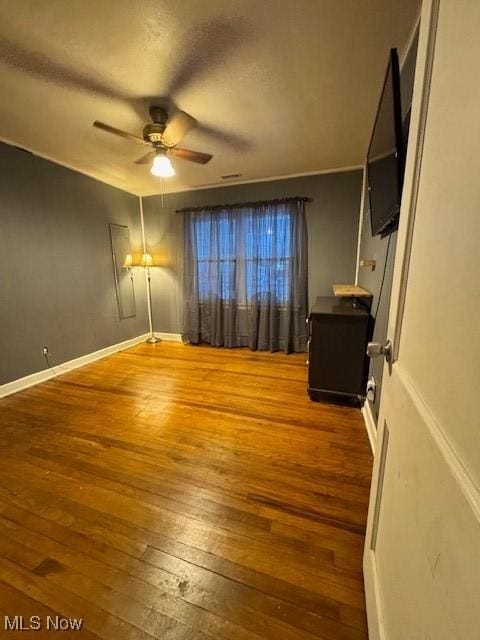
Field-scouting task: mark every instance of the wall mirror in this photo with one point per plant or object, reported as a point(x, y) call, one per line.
point(122, 272)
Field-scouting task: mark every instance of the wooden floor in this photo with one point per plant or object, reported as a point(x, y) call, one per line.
point(182, 492)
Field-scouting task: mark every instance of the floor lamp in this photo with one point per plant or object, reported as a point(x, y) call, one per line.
point(147, 263)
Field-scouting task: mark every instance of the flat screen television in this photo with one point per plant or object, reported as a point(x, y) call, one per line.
point(386, 155)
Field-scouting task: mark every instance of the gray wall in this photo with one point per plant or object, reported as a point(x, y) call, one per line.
point(332, 220)
point(375, 248)
point(57, 286)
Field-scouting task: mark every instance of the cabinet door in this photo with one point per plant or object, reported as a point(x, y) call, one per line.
point(337, 354)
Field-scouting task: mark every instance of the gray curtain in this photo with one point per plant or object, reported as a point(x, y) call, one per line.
point(246, 276)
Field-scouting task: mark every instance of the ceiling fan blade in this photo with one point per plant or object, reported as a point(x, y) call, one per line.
point(119, 132)
point(146, 159)
point(191, 156)
point(177, 127)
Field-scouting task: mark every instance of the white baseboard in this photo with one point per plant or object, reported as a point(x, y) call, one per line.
point(171, 337)
point(370, 425)
point(58, 369)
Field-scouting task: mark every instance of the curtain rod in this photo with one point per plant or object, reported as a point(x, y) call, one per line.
point(240, 205)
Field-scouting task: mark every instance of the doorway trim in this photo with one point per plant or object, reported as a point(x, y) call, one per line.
point(423, 79)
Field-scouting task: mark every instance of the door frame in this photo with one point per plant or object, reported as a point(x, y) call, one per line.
point(413, 166)
point(420, 101)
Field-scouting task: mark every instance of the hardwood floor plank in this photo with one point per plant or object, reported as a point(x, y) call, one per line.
point(301, 568)
point(182, 492)
point(33, 613)
point(104, 540)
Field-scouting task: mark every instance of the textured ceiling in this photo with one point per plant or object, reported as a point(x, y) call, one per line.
point(277, 87)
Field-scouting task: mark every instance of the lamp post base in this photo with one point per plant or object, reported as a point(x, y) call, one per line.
point(153, 339)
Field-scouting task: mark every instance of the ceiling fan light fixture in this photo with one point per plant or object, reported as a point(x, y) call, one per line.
point(162, 167)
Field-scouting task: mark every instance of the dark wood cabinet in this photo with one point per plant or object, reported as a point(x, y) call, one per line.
point(339, 330)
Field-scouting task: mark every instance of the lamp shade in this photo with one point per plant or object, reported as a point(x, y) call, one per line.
point(128, 262)
point(147, 260)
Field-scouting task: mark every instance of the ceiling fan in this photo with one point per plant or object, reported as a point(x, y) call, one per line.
point(162, 135)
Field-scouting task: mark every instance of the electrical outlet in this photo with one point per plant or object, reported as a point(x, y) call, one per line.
point(45, 351)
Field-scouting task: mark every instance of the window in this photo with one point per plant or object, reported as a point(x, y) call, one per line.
point(243, 258)
point(215, 256)
point(245, 276)
point(269, 257)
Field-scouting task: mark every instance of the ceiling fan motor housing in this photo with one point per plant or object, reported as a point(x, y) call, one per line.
point(153, 132)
